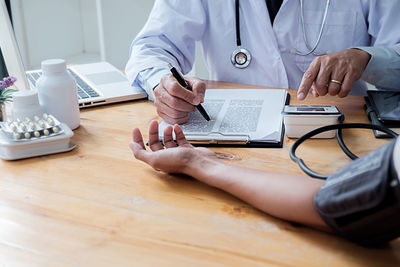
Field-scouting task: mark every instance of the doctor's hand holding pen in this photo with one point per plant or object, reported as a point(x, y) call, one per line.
point(333, 74)
point(173, 102)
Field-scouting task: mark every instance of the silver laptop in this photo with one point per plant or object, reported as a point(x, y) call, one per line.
point(97, 83)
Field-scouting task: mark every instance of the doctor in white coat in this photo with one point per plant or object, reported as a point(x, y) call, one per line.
point(319, 46)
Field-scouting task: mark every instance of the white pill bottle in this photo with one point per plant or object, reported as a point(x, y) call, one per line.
point(26, 104)
point(57, 92)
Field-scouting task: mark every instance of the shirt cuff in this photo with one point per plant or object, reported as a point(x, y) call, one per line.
point(378, 64)
point(148, 79)
point(396, 48)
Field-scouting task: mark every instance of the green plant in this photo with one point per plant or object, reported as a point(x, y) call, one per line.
point(5, 91)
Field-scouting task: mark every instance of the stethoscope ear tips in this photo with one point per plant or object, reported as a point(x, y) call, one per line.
point(241, 58)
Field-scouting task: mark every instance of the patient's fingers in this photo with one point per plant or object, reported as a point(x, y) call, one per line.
point(168, 139)
point(154, 142)
point(139, 152)
point(137, 137)
point(180, 137)
point(137, 146)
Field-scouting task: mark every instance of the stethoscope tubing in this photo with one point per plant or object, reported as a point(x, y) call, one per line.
point(238, 40)
point(312, 50)
point(338, 127)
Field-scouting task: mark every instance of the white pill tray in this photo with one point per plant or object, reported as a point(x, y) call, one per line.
point(35, 137)
point(22, 130)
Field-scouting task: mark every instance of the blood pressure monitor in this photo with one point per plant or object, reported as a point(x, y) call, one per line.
point(311, 110)
point(301, 119)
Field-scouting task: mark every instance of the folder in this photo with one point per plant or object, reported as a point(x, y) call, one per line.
point(239, 118)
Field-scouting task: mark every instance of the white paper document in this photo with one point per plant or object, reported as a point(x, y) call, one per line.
point(250, 115)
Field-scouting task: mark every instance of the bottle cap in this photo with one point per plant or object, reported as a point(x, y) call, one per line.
point(53, 66)
point(25, 98)
point(26, 104)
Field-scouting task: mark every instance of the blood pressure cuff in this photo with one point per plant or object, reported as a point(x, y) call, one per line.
point(361, 202)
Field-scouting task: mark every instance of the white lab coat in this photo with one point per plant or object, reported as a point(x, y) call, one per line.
point(174, 26)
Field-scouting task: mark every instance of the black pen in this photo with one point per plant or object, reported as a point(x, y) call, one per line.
point(183, 83)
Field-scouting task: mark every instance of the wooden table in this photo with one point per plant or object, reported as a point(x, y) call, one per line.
point(98, 206)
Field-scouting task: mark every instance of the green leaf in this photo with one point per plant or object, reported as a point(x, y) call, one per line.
point(6, 95)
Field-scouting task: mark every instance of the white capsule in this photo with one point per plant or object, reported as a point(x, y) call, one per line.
point(13, 128)
point(27, 135)
point(33, 126)
point(45, 115)
point(41, 123)
point(55, 129)
point(36, 133)
point(17, 136)
point(51, 122)
point(18, 120)
point(46, 132)
point(27, 119)
point(9, 122)
point(36, 118)
point(23, 127)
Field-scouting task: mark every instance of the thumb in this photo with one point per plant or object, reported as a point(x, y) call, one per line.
point(198, 88)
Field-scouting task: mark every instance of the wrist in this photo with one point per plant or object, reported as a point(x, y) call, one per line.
point(364, 56)
point(203, 168)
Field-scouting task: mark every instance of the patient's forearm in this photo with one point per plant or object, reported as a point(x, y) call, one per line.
point(286, 196)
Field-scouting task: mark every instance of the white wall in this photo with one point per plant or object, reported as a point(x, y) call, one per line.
point(122, 21)
point(89, 25)
point(52, 28)
point(82, 31)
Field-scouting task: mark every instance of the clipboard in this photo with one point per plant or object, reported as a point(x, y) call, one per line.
point(242, 140)
point(217, 143)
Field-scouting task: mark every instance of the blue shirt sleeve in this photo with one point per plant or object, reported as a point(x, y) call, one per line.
point(383, 69)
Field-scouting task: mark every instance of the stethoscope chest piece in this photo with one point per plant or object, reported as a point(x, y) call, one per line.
point(241, 58)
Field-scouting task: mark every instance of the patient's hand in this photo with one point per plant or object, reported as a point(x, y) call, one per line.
point(174, 158)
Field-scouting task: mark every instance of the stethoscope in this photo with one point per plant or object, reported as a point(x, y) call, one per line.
point(338, 127)
point(241, 57)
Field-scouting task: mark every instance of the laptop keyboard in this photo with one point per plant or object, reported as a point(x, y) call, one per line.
point(83, 90)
